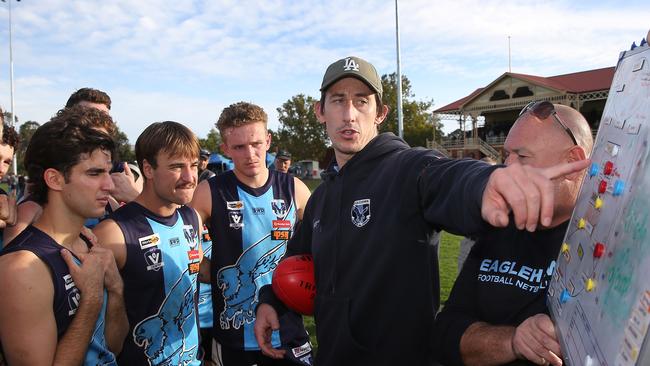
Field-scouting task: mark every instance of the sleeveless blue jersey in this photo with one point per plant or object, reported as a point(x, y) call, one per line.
point(66, 294)
point(249, 229)
point(160, 286)
point(205, 290)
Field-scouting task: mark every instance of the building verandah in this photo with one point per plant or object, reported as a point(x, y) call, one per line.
point(485, 116)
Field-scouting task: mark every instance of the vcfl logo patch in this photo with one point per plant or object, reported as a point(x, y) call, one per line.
point(153, 257)
point(350, 65)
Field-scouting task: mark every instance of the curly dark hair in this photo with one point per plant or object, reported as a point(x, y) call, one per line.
point(61, 143)
point(93, 118)
point(240, 114)
point(89, 95)
point(10, 136)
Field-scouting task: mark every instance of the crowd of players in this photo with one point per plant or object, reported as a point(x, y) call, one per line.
point(177, 267)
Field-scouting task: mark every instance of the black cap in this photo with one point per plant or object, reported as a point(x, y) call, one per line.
point(283, 154)
point(204, 153)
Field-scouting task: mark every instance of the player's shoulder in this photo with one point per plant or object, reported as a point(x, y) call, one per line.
point(21, 266)
point(108, 230)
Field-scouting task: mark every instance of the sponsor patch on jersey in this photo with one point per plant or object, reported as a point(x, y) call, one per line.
point(236, 219)
point(191, 236)
point(280, 208)
point(74, 297)
point(258, 211)
point(361, 212)
point(174, 242)
point(153, 258)
point(149, 241)
point(301, 350)
point(281, 224)
point(69, 283)
point(193, 268)
point(205, 235)
point(193, 255)
point(280, 234)
point(234, 205)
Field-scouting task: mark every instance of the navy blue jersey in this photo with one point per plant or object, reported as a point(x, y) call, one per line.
point(205, 290)
point(66, 294)
point(160, 287)
point(249, 229)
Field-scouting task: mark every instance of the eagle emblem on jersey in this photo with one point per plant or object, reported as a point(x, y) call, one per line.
point(163, 335)
point(238, 282)
point(191, 235)
point(280, 208)
point(361, 212)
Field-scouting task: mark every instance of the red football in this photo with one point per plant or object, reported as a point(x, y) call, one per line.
point(293, 283)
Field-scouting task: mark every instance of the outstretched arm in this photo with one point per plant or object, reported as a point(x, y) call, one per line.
point(526, 191)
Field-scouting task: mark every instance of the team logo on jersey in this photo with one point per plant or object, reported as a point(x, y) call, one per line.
point(258, 210)
point(361, 212)
point(167, 337)
point(191, 236)
point(149, 241)
point(280, 208)
point(236, 219)
point(73, 300)
point(239, 283)
point(153, 258)
point(234, 205)
point(350, 65)
point(174, 242)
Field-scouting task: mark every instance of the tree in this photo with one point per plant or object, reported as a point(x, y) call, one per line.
point(123, 148)
point(7, 117)
point(212, 142)
point(25, 132)
point(300, 132)
point(419, 122)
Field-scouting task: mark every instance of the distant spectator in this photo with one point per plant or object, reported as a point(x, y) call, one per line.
point(204, 172)
point(282, 161)
point(8, 146)
point(89, 97)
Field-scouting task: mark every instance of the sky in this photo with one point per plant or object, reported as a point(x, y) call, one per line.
point(186, 60)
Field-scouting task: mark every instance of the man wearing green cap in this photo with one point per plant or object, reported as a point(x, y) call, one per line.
point(367, 227)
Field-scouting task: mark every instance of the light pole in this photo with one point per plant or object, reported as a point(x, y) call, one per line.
point(400, 117)
point(11, 79)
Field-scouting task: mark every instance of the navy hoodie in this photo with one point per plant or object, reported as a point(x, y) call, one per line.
point(367, 227)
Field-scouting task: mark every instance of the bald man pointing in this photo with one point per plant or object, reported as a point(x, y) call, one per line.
point(496, 313)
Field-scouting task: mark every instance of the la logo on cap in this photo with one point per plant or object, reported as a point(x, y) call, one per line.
point(350, 64)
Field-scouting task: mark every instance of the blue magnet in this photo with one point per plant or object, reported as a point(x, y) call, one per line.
point(564, 296)
point(619, 187)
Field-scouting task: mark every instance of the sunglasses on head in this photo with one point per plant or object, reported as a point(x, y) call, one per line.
point(542, 110)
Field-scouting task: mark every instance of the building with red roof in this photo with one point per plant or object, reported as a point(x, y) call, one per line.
point(485, 116)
